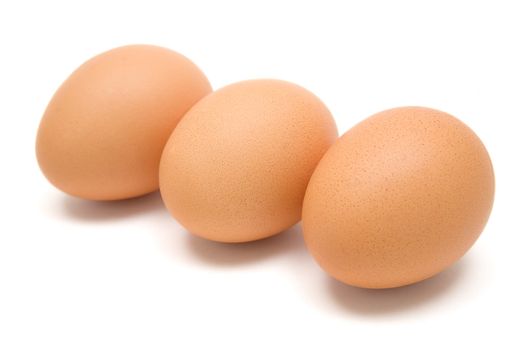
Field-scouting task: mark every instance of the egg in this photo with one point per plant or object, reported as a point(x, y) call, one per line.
point(236, 167)
point(398, 198)
point(102, 134)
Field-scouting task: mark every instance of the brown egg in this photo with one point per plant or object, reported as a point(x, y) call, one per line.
point(398, 198)
point(236, 167)
point(103, 132)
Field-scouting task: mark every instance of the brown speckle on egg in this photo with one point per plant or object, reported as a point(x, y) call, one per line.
point(398, 198)
point(236, 167)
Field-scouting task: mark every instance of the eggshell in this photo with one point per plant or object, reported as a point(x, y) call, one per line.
point(236, 167)
point(398, 198)
point(103, 132)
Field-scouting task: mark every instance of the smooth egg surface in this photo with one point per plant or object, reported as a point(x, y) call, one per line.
point(103, 132)
point(398, 198)
point(236, 167)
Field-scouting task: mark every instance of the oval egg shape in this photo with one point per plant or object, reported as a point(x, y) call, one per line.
point(398, 198)
point(103, 132)
point(236, 167)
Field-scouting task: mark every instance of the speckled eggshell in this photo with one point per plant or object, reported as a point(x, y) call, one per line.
point(236, 167)
point(103, 132)
point(398, 198)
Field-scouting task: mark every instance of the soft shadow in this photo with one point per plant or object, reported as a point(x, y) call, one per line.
point(228, 254)
point(81, 209)
point(383, 301)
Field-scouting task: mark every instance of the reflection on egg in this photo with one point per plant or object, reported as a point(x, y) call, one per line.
point(103, 132)
point(236, 167)
point(398, 198)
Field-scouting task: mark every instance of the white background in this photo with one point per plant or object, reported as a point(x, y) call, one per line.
point(81, 275)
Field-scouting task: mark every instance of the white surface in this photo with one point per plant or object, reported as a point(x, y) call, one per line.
point(80, 275)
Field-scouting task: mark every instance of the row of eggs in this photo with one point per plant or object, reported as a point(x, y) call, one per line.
point(397, 199)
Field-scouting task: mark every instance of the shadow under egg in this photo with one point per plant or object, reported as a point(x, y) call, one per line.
point(96, 211)
point(393, 300)
point(231, 254)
